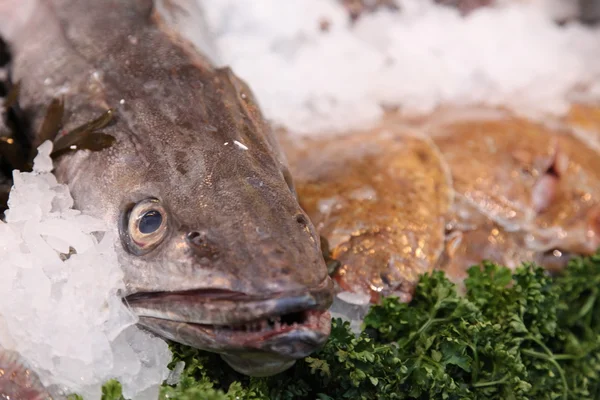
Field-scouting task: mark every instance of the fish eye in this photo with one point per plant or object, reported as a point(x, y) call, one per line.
point(150, 222)
point(146, 226)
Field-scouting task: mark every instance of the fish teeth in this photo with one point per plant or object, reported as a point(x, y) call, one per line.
point(274, 323)
point(271, 323)
point(255, 326)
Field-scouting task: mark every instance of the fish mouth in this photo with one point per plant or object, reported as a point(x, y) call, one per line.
point(257, 335)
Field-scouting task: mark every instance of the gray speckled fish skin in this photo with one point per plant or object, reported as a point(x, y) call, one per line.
point(191, 136)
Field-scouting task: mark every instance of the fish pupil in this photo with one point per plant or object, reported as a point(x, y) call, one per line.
point(150, 222)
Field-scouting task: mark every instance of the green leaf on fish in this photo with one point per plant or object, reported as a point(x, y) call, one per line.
point(52, 122)
point(86, 137)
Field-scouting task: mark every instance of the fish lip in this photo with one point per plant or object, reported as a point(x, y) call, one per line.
point(289, 343)
point(226, 307)
point(282, 327)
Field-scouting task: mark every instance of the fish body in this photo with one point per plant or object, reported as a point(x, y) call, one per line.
point(480, 185)
point(526, 177)
point(216, 251)
point(380, 198)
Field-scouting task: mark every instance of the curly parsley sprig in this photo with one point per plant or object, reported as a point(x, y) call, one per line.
point(514, 335)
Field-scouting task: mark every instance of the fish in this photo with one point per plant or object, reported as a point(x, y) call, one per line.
point(380, 198)
point(447, 191)
point(526, 177)
point(216, 251)
point(17, 380)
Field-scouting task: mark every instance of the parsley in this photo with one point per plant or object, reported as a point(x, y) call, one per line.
point(513, 335)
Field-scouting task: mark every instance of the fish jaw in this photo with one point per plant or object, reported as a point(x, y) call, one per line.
point(259, 354)
point(256, 335)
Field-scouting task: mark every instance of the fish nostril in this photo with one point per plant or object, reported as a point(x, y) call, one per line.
point(305, 225)
point(201, 246)
point(301, 219)
point(194, 237)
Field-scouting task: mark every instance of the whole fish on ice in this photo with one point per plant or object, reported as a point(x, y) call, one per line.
point(216, 251)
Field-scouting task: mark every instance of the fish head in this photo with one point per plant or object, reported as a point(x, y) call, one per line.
point(216, 251)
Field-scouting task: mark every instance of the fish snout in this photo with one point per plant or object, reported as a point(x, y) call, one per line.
point(260, 255)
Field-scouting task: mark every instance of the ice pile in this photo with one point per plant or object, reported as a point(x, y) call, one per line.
point(60, 309)
point(423, 56)
point(352, 307)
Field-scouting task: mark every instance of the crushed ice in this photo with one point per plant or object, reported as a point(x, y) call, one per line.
point(60, 307)
point(418, 58)
point(352, 307)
